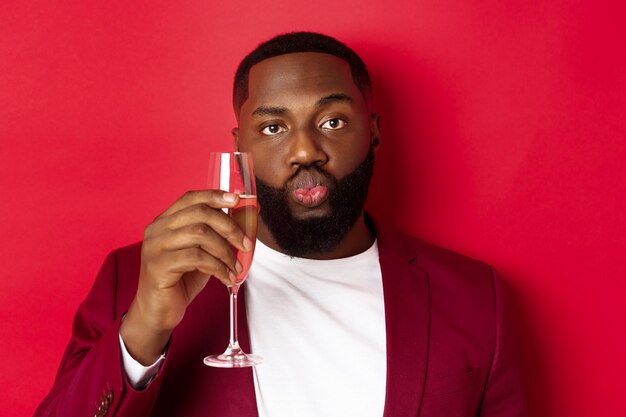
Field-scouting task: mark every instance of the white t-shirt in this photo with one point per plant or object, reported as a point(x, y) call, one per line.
point(320, 327)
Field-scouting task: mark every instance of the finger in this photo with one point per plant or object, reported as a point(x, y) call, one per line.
point(212, 198)
point(196, 259)
point(215, 219)
point(202, 236)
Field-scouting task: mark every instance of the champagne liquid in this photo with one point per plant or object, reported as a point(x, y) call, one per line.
point(245, 215)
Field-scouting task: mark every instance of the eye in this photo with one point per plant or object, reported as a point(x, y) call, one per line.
point(334, 124)
point(272, 130)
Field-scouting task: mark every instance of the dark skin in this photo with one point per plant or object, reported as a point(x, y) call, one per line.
point(302, 109)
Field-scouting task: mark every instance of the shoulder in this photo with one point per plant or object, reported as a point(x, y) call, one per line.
point(432, 258)
point(118, 277)
point(451, 275)
point(442, 261)
point(128, 254)
point(128, 261)
point(123, 262)
point(456, 278)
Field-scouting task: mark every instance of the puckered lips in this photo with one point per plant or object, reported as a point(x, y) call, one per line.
point(309, 188)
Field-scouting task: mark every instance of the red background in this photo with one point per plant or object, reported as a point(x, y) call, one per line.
point(503, 137)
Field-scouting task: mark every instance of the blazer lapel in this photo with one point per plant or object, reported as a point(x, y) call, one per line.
point(406, 295)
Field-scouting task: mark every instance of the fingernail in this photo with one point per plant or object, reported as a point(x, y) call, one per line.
point(233, 277)
point(238, 267)
point(247, 243)
point(229, 197)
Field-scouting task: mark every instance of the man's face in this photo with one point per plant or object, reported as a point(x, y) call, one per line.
point(308, 127)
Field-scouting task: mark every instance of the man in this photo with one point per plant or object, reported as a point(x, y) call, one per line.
point(352, 319)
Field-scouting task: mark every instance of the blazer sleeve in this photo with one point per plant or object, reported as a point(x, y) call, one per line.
point(91, 380)
point(505, 391)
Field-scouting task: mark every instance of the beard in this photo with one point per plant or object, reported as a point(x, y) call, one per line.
point(322, 234)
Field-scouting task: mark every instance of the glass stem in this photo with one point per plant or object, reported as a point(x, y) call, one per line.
point(233, 345)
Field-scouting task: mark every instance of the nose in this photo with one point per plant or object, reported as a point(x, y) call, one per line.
point(306, 149)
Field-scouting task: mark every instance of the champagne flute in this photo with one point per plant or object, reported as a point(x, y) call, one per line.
point(233, 172)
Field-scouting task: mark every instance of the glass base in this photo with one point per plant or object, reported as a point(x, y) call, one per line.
point(237, 360)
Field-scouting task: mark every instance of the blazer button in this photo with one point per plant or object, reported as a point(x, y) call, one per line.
point(105, 402)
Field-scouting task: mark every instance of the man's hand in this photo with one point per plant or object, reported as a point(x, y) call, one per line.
point(182, 248)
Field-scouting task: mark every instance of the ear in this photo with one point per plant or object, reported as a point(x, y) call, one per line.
point(235, 133)
point(375, 130)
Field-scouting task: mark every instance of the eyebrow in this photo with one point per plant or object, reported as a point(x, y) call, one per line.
point(269, 111)
point(279, 111)
point(332, 98)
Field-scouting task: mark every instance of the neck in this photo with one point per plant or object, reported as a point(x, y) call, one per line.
point(359, 239)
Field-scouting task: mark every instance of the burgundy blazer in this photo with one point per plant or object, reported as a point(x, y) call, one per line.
point(451, 350)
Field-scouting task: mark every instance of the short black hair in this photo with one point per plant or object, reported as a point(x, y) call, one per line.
point(294, 42)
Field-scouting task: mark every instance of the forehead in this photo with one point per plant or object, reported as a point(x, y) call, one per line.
point(279, 80)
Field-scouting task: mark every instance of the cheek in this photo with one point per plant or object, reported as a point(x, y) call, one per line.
point(261, 158)
point(268, 166)
point(348, 155)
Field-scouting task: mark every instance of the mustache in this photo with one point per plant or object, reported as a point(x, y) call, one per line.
point(303, 169)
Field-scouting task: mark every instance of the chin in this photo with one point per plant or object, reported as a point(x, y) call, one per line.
point(307, 213)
